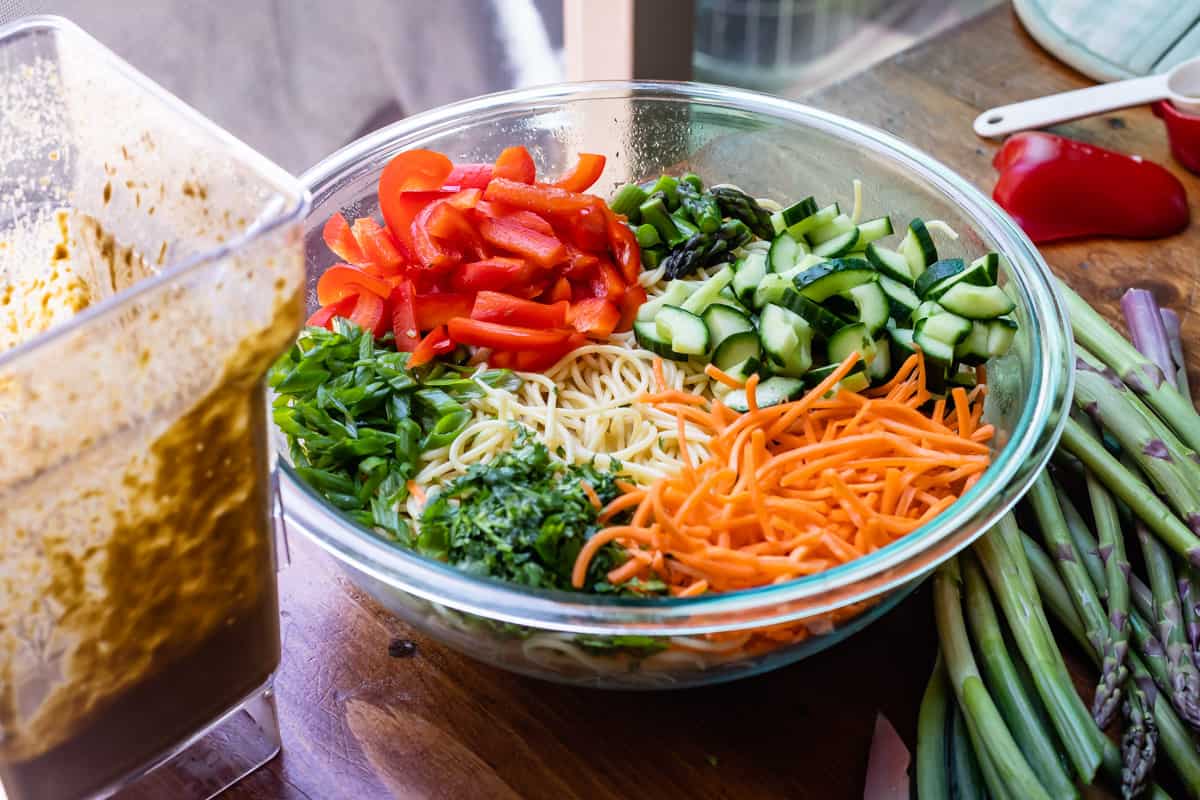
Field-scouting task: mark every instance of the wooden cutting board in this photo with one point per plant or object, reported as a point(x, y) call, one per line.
point(358, 723)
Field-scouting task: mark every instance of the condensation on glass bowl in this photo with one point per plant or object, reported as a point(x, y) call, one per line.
point(772, 148)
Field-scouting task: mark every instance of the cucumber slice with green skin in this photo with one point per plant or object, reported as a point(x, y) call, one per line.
point(822, 320)
point(902, 301)
point(917, 248)
point(786, 341)
point(835, 227)
point(676, 293)
point(748, 273)
point(989, 265)
point(686, 333)
point(851, 339)
point(785, 252)
point(770, 392)
point(938, 271)
point(782, 220)
point(938, 335)
point(723, 322)
point(838, 245)
point(648, 338)
point(874, 229)
point(926, 309)
point(822, 217)
point(871, 304)
point(736, 349)
point(964, 377)
point(772, 289)
point(974, 348)
point(902, 344)
point(743, 369)
point(707, 292)
point(880, 368)
point(978, 274)
point(977, 302)
point(832, 277)
point(855, 380)
point(1001, 333)
point(889, 263)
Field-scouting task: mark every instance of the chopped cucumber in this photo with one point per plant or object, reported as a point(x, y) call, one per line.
point(939, 334)
point(874, 229)
point(988, 265)
point(821, 217)
point(834, 277)
point(839, 245)
point(902, 343)
point(973, 349)
point(707, 292)
point(880, 368)
point(798, 211)
point(770, 392)
point(743, 369)
point(889, 263)
point(939, 271)
point(926, 309)
point(686, 333)
point(1001, 332)
point(786, 252)
point(786, 340)
point(871, 303)
point(964, 377)
point(748, 274)
point(855, 380)
point(851, 339)
point(649, 338)
point(824, 322)
point(977, 302)
point(772, 289)
point(736, 349)
point(980, 273)
point(676, 293)
point(723, 321)
point(917, 248)
point(902, 301)
point(837, 226)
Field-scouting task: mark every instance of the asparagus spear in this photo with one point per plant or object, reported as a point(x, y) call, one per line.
point(705, 249)
point(1116, 573)
point(1185, 680)
point(1186, 581)
point(1147, 330)
point(700, 206)
point(1135, 494)
point(933, 720)
point(1001, 677)
point(1158, 453)
point(1013, 584)
point(1136, 370)
point(739, 205)
point(1042, 497)
point(973, 696)
point(1175, 339)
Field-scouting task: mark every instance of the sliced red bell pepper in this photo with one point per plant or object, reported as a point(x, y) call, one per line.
point(503, 337)
point(450, 225)
point(605, 283)
point(438, 309)
point(369, 315)
point(399, 211)
point(323, 317)
point(1057, 188)
point(469, 176)
point(624, 246)
point(341, 280)
point(376, 244)
point(466, 199)
point(580, 265)
point(430, 252)
point(631, 301)
point(437, 342)
point(542, 360)
point(409, 182)
point(588, 229)
point(543, 250)
point(341, 240)
point(404, 317)
point(594, 316)
point(559, 291)
point(515, 164)
point(530, 220)
point(500, 307)
point(496, 274)
point(539, 199)
point(580, 177)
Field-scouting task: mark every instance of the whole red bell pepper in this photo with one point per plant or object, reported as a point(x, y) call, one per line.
point(1057, 188)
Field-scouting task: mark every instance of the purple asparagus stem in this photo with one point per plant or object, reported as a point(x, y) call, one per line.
point(1175, 340)
point(1146, 329)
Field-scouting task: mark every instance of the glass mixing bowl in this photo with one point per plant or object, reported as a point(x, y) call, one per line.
point(772, 148)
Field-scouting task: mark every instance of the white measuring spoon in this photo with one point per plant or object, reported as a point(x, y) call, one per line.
point(1181, 86)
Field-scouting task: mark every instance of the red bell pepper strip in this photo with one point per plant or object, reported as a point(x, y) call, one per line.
point(323, 317)
point(399, 211)
point(605, 283)
point(500, 307)
point(546, 200)
point(376, 244)
point(437, 342)
point(404, 317)
point(543, 250)
point(438, 309)
point(588, 229)
point(430, 252)
point(341, 280)
point(581, 176)
point(594, 316)
point(450, 225)
point(405, 186)
point(580, 265)
point(466, 199)
point(369, 315)
point(631, 301)
point(515, 164)
point(341, 240)
point(559, 291)
point(1057, 188)
point(624, 246)
point(497, 274)
point(469, 176)
point(530, 220)
point(503, 337)
point(542, 360)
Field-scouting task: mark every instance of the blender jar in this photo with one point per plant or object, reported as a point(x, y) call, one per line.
point(151, 269)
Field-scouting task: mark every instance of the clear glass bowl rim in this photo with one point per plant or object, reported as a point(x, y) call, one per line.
point(1032, 441)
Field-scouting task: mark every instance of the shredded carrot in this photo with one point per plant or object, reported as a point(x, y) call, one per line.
point(795, 488)
point(416, 491)
point(716, 373)
point(660, 380)
point(592, 497)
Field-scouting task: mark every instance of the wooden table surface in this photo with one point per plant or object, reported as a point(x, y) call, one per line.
point(359, 723)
